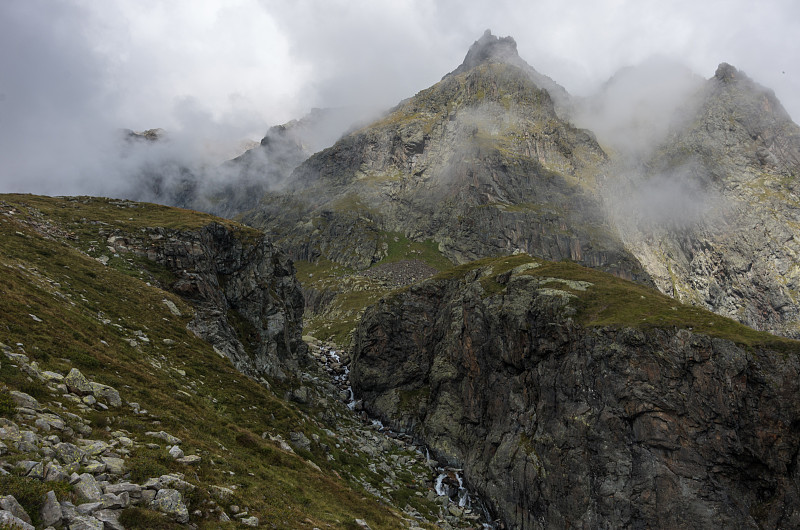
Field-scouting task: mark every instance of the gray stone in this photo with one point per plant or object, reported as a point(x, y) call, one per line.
point(190, 460)
point(110, 519)
point(129, 487)
point(77, 383)
point(110, 500)
point(55, 473)
point(87, 488)
point(94, 467)
point(170, 502)
point(88, 508)
point(249, 521)
point(68, 453)
point(148, 496)
point(175, 452)
point(52, 376)
point(95, 447)
point(299, 441)
point(115, 466)
point(221, 493)
point(8, 520)
point(172, 440)
point(10, 504)
point(51, 510)
point(85, 522)
point(37, 472)
point(21, 399)
point(107, 394)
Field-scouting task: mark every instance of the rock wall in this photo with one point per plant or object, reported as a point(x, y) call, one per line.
point(560, 426)
point(240, 285)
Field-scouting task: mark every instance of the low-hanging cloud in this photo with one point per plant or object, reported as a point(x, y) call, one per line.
point(213, 74)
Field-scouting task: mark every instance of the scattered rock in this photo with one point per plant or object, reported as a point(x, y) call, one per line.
point(107, 394)
point(10, 504)
point(8, 520)
point(172, 440)
point(170, 502)
point(190, 460)
point(77, 383)
point(51, 510)
point(87, 488)
point(249, 521)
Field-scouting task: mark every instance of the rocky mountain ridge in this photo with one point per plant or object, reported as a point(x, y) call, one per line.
point(480, 163)
point(723, 236)
point(483, 164)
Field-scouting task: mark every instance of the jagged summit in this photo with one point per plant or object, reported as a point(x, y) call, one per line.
point(725, 72)
point(490, 48)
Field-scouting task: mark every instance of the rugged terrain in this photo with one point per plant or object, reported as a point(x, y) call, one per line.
point(694, 192)
point(153, 376)
point(479, 164)
point(572, 398)
point(713, 213)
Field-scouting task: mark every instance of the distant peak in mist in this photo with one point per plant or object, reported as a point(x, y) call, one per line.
point(726, 73)
point(490, 48)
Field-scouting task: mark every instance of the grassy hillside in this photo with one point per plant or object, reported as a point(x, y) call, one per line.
point(64, 309)
point(601, 299)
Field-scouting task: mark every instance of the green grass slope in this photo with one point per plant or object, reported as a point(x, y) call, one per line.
point(65, 309)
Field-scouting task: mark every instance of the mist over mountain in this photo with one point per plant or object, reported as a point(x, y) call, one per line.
point(493, 303)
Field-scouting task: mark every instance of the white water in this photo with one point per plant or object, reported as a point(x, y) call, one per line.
point(438, 487)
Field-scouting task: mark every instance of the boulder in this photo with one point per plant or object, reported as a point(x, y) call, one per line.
point(9, 503)
point(115, 466)
point(107, 394)
point(172, 440)
point(87, 488)
point(175, 452)
point(21, 399)
point(68, 453)
point(77, 383)
point(51, 510)
point(190, 460)
point(8, 520)
point(170, 502)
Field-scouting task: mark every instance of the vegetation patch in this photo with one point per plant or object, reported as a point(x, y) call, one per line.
point(609, 301)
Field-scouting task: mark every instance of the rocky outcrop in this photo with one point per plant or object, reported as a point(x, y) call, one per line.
point(241, 286)
point(557, 424)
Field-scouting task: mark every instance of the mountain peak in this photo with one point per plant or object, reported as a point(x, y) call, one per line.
point(490, 48)
point(726, 72)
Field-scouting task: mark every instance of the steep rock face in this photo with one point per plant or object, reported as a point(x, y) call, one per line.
point(480, 163)
point(561, 426)
point(714, 221)
point(236, 282)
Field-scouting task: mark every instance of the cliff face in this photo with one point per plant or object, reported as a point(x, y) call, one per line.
point(501, 368)
point(238, 283)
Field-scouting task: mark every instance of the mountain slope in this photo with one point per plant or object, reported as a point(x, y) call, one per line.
point(480, 163)
point(121, 293)
point(715, 217)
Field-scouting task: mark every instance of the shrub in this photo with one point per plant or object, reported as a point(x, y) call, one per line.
point(7, 406)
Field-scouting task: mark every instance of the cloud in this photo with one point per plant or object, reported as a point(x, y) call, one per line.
point(214, 73)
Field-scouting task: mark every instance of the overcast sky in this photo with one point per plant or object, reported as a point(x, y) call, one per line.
point(214, 73)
